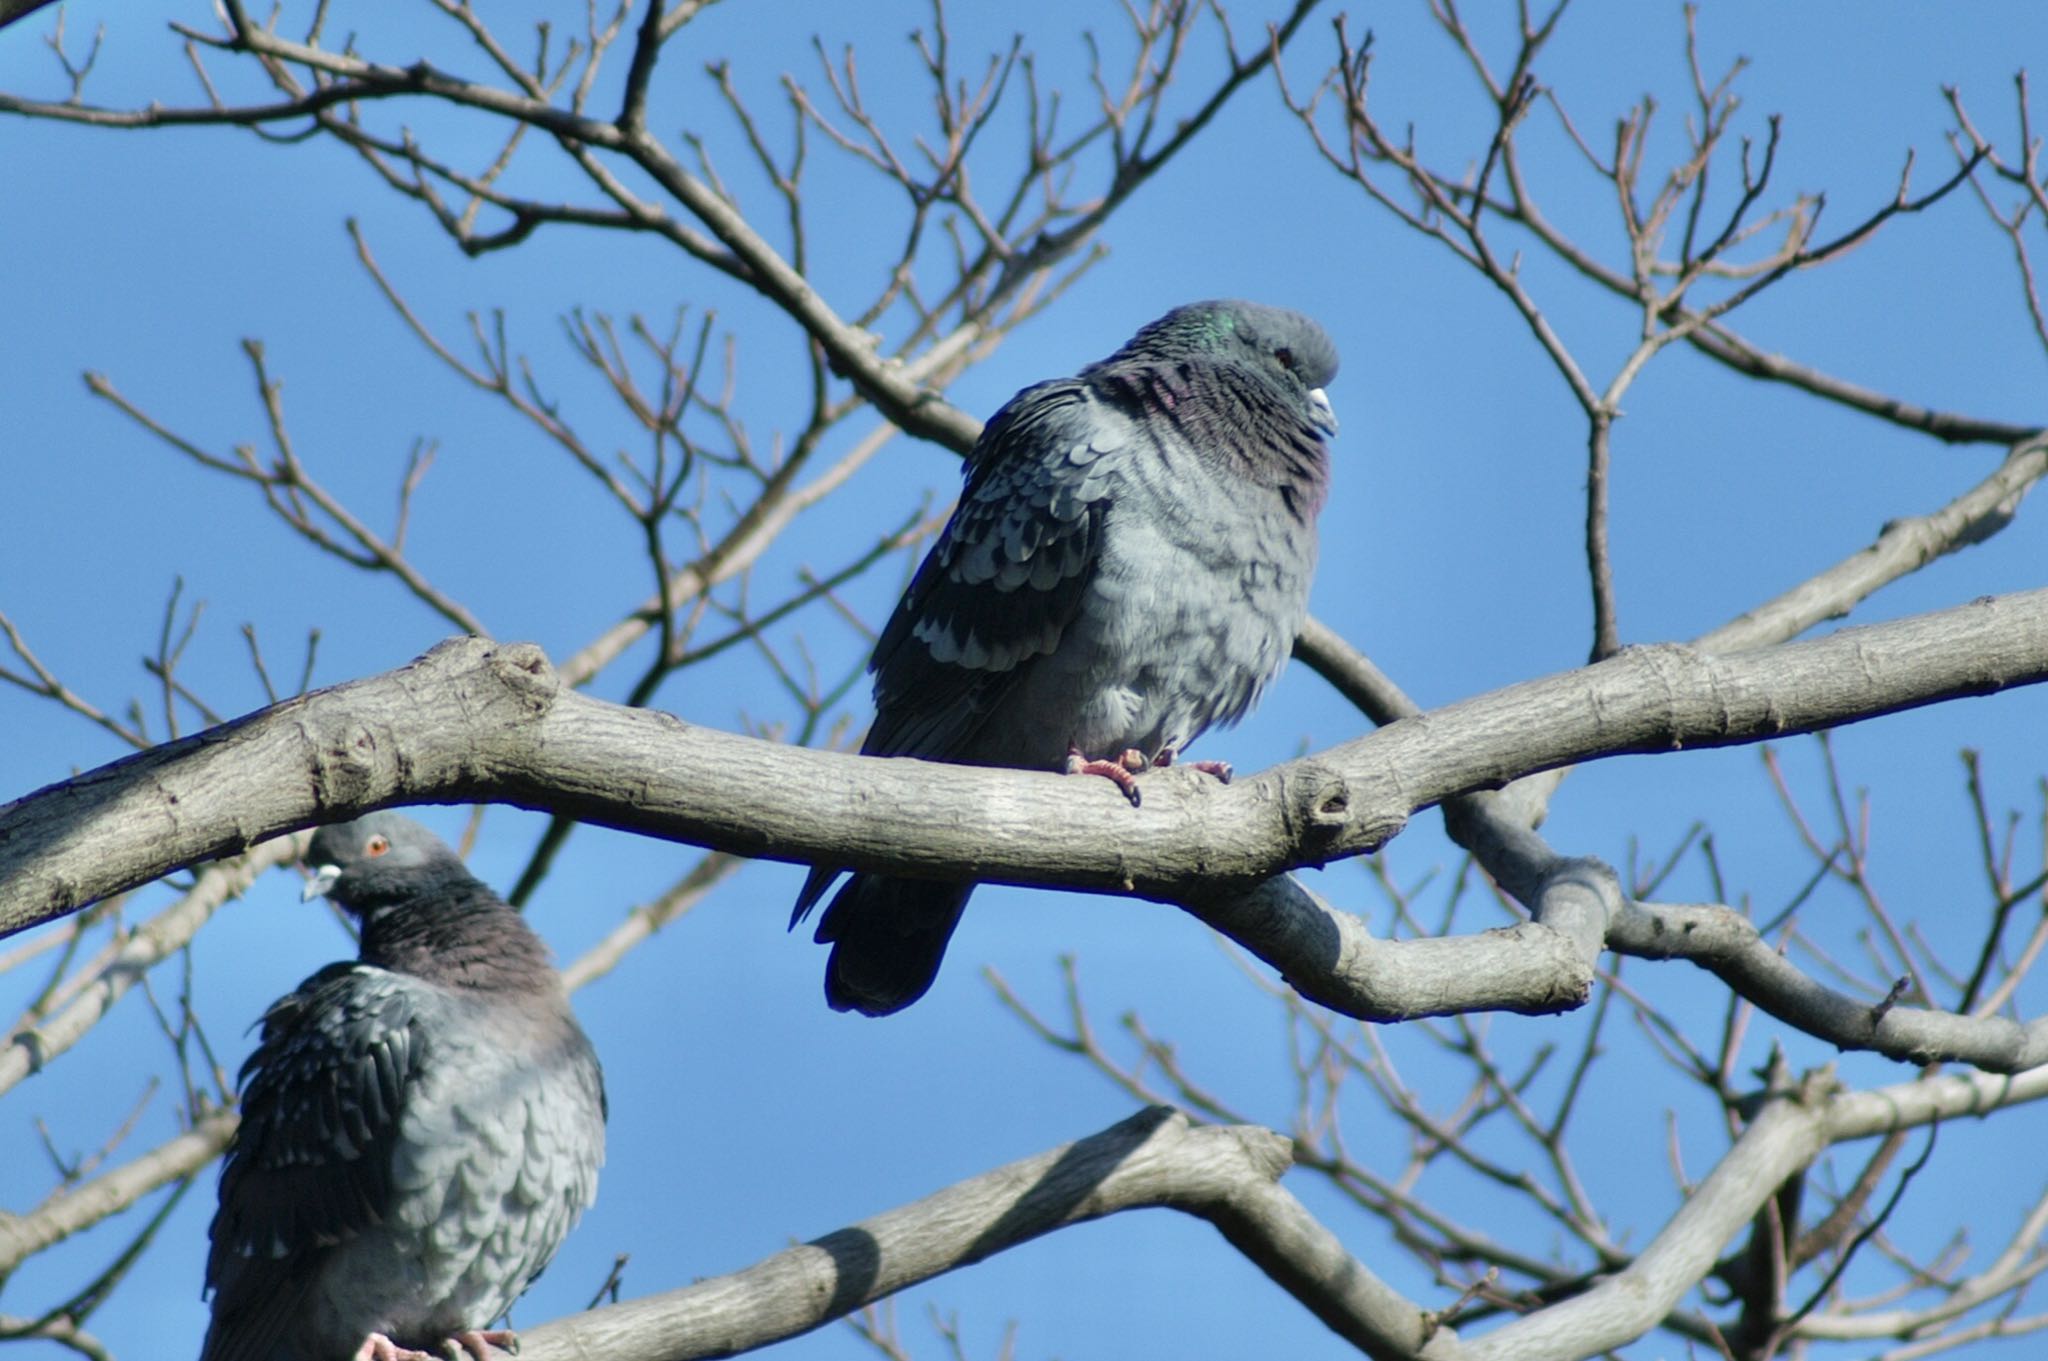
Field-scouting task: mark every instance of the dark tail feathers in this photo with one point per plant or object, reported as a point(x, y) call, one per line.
point(887, 937)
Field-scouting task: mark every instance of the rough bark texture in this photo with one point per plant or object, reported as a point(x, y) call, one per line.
point(1154, 1158)
point(1230, 1176)
point(473, 720)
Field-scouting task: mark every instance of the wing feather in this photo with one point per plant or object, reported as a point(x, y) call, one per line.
point(311, 1165)
point(1007, 575)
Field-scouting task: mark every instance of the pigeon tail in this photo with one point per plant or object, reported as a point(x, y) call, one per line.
point(887, 937)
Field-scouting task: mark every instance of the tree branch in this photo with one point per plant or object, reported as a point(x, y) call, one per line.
point(1228, 1175)
point(1154, 1158)
point(473, 721)
point(36, 1039)
point(84, 1205)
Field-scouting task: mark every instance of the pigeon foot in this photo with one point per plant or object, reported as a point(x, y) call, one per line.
point(1118, 772)
point(473, 1343)
point(477, 1342)
point(1220, 769)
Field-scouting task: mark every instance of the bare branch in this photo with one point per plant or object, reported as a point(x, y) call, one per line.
point(470, 721)
point(1155, 1158)
point(36, 1038)
point(644, 921)
point(82, 1206)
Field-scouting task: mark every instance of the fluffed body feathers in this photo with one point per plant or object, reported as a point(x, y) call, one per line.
point(1127, 567)
point(420, 1128)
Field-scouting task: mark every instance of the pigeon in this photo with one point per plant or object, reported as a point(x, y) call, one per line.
point(421, 1126)
point(1128, 565)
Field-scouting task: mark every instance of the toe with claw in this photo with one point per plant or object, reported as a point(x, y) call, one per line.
point(1118, 772)
point(470, 1344)
point(1220, 769)
point(477, 1343)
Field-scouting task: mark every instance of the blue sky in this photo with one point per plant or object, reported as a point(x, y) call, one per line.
point(745, 1114)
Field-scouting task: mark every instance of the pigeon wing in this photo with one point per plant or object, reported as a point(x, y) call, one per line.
point(1007, 575)
point(311, 1165)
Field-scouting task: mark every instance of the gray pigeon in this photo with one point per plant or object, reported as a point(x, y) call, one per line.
point(420, 1127)
point(1128, 564)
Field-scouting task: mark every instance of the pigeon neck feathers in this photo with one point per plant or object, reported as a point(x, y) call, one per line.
point(1242, 384)
point(422, 912)
point(458, 933)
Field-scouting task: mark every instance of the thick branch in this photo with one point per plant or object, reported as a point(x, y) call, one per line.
point(1786, 1136)
point(476, 721)
point(1726, 944)
point(1903, 546)
point(1332, 957)
point(1228, 1175)
point(1155, 1158)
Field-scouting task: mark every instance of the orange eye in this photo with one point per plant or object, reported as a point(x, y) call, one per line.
point(376, 846)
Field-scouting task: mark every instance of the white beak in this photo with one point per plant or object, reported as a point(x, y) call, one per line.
point(322, 880)
point(1328, 414)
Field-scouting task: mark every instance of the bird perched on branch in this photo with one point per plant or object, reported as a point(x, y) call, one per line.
point(1128, 565)
point(420, 1126)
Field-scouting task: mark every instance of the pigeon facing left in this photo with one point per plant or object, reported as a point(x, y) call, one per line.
point(1127, 567)
point(420, 1126)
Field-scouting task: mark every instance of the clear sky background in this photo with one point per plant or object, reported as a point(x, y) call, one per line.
point(745, 1114)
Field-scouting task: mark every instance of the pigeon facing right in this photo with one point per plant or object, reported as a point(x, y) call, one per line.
point(1128, 565)
point(420, 1126)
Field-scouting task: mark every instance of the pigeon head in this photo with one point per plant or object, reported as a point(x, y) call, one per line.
point(1288, 350)
point(422, 911)
point(378, 860)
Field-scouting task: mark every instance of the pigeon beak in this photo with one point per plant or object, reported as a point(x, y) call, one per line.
point(321, 882)
point(1326, 415)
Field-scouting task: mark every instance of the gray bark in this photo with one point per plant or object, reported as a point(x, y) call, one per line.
point(1230, 1176)
point(473, 720)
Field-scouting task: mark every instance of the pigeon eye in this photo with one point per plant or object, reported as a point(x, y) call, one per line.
point(376, 846)
point(1285, 356)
